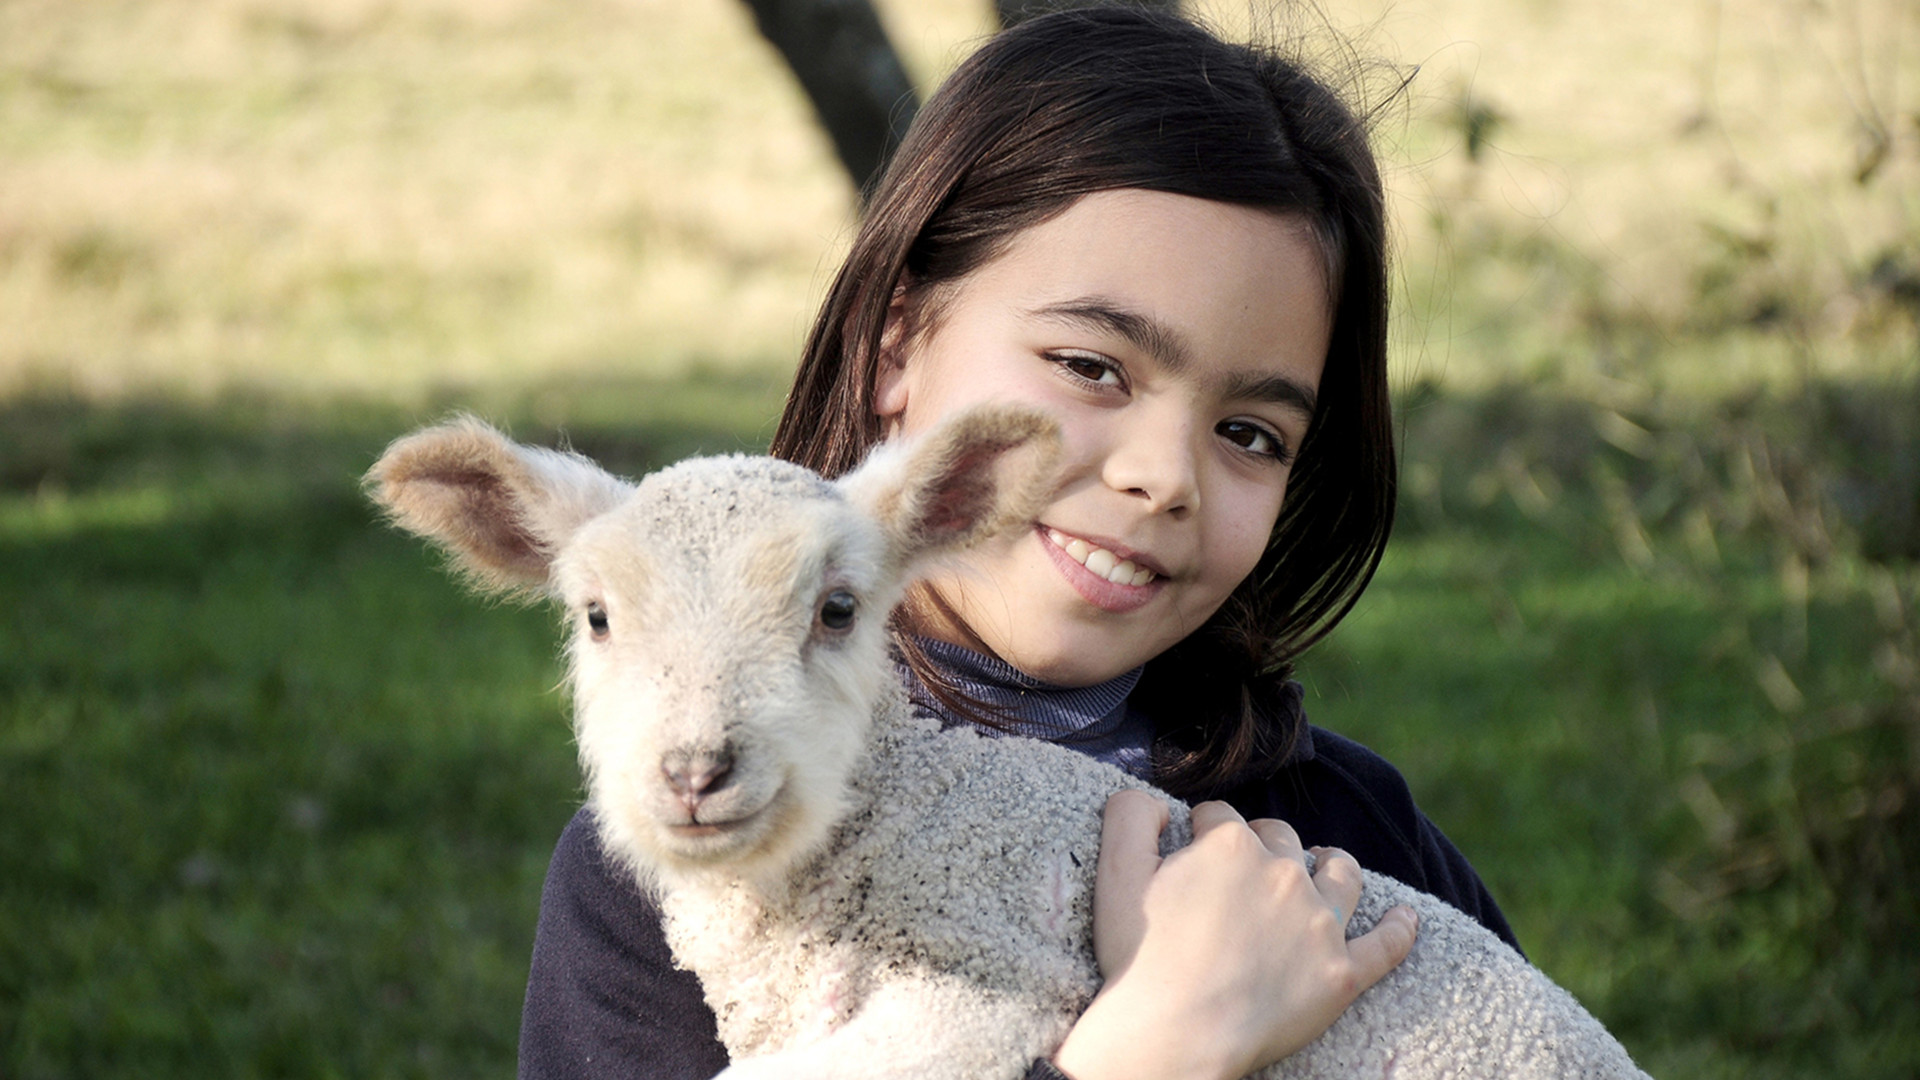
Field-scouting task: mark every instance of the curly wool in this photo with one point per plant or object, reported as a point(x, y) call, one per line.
point(967, 861)
point(864, 894)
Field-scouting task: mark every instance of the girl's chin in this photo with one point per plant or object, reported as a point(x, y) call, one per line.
point(1059, 664)
point(1071, 655)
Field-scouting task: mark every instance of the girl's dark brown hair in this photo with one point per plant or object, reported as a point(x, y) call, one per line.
point(1103, 98)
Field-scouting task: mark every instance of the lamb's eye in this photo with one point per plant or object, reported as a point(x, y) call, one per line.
point(836, 611)
point(597, 620)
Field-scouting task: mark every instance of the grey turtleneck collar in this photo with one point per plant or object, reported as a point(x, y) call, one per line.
point(1094, 720)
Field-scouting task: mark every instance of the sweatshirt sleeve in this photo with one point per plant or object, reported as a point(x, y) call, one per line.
point(1454, 880)
point(1341, 794)
point(604, 999)
point(1437, 866)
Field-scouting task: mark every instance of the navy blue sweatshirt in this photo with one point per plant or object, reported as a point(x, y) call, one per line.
point(605, 1000)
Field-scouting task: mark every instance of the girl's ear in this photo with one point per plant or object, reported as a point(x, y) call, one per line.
point(977, 475)
point(502, 510)
point(890, 375)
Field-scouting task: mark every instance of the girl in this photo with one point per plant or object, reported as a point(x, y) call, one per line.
point(1175, 246)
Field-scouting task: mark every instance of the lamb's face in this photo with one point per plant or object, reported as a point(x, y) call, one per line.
point(728, 646)
point(728, 615)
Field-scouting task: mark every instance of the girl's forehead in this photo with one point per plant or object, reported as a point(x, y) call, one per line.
point(1180, 278)
point(1176, 248)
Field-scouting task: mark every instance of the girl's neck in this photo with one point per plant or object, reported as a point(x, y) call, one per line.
point(1095, 720)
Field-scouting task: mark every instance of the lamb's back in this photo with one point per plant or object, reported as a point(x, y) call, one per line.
point(1462, 1004)
point(965, 873)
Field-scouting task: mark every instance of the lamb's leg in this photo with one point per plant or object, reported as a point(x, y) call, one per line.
point(925, 1028)
point(1462, 1005)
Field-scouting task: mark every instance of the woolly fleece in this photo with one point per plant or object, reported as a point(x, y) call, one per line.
point(881, 897)
point(952, 907)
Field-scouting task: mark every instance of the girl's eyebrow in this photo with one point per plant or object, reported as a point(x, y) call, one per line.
point(1169, 350)
point(1275, 389)
point(1143, 332)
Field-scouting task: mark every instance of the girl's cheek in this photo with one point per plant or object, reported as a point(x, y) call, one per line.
point(1245, 535)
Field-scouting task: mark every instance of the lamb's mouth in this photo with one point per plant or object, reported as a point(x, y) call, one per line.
point(700, 830)
point(719, 828)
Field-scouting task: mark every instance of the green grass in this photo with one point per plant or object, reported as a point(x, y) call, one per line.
point(1682, 754)
point(277, 795)
point(1543, 704)
point(280, 795)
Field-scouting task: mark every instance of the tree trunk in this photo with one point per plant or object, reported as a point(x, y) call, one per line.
point(846, 65)
point(1013, 11)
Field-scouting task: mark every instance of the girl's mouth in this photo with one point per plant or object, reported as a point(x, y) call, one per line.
point(1099, 560)
point(1101, 577)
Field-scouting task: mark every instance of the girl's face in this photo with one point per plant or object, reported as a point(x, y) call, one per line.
point(1179, 343)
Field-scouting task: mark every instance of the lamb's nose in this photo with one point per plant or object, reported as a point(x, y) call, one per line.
point(693, 777)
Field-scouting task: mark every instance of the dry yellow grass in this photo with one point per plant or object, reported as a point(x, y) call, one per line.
point(1693, 165)
point(383, 196)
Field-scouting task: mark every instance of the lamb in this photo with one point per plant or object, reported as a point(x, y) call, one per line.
point(862, 892)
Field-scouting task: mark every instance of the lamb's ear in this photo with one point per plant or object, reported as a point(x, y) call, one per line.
point(501, 509)
point(983, 472)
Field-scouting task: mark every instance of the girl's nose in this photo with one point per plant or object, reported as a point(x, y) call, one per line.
point(1156, 462)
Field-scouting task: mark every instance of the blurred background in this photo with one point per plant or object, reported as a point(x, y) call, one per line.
point(276, 798)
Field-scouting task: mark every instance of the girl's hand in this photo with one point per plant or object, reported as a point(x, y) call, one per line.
point(1224, 957)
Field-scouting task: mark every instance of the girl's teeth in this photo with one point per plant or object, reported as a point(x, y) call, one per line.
point(1100, 560)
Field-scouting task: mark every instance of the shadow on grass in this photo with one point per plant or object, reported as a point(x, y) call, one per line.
point(1653, 662)
point(280, 796)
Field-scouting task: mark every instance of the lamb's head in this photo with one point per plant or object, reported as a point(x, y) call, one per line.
point(726, 616)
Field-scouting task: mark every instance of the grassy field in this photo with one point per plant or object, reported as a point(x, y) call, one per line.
point(278, 796)
point(279, 799)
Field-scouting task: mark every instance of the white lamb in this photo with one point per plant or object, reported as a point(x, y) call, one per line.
point(862, 893)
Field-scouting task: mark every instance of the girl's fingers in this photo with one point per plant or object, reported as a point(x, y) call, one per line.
point(1339, 879)
point(1208, 816)
point(1130, 829)
point(1129, 856)
point(1238, 954)
point(1381, 949)
point(1278, 836)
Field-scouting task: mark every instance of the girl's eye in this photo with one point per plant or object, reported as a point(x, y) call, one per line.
point(1255, 439)
point(1089, 367)
point(597, 620)
point(836, 611)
